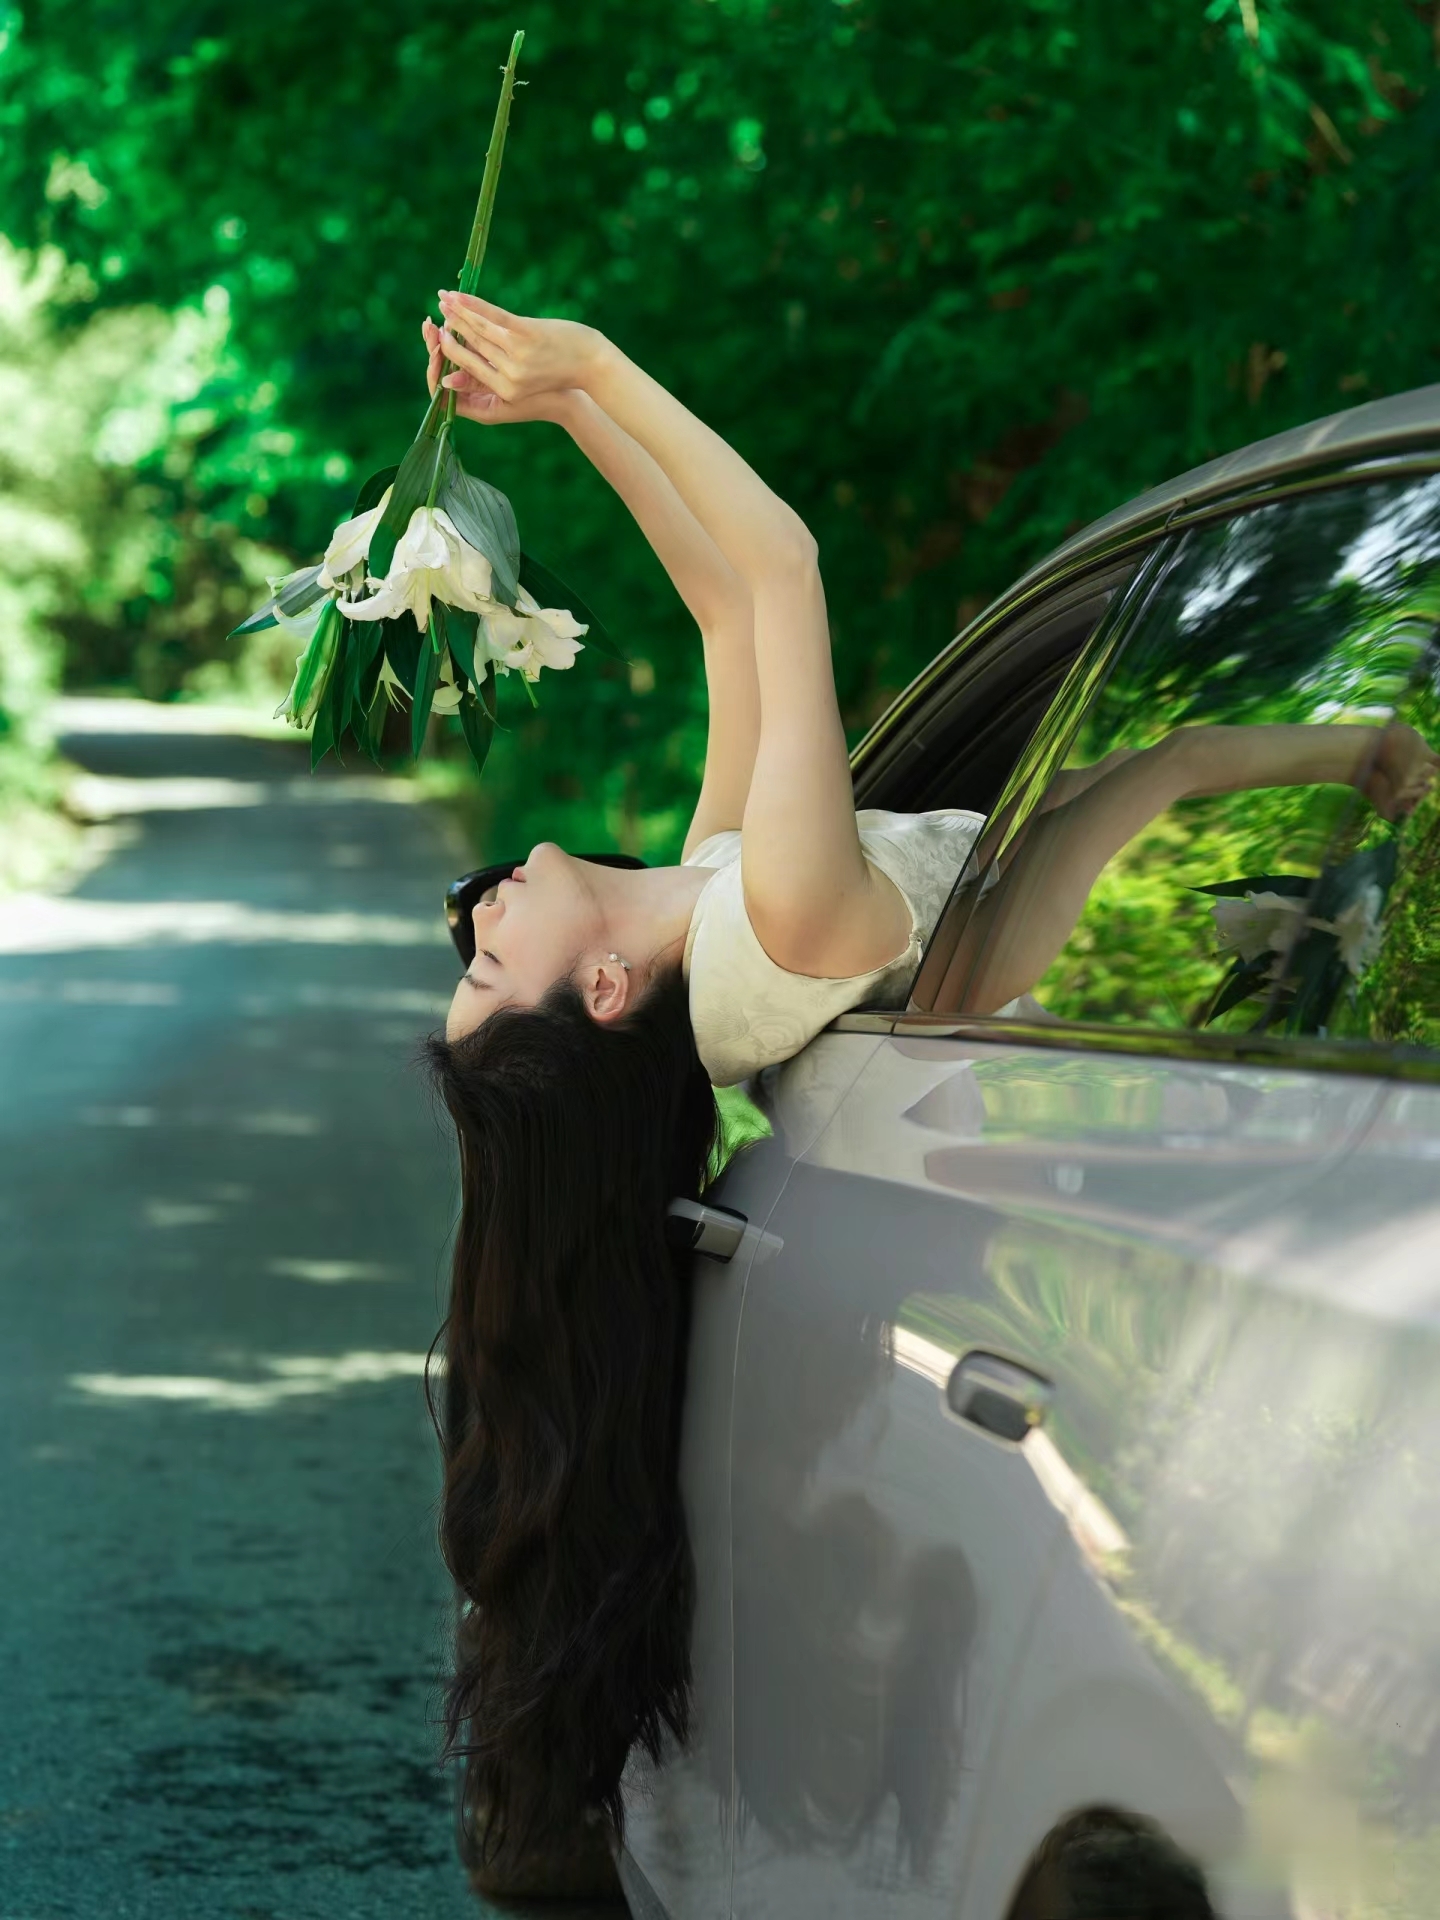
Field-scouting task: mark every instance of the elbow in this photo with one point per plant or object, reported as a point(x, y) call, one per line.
point(791, 553)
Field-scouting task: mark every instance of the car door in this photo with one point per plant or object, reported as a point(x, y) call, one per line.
point(871, 1634)
point(1214, 1231)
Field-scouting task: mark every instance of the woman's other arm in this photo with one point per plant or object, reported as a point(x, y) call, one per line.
point(1046, 875)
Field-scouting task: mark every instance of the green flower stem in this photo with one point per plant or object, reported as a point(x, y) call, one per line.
point(484, 208)
point(439, 461)
point(480, 230)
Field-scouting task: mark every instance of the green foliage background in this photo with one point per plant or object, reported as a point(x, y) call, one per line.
point(955, 278)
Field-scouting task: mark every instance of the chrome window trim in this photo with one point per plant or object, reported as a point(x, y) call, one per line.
point(1294, 1053)
point(1106, 552)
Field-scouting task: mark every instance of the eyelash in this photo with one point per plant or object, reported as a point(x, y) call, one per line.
point(485, 954)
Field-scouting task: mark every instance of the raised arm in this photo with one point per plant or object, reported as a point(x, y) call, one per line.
point(717, 598)
point(1046, 875)
point(815, 902)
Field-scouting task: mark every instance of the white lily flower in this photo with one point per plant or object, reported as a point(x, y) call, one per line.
point(1357, 930)
point(350, 543)
point(531, 637)
point(1258, 923)
point(433, 561)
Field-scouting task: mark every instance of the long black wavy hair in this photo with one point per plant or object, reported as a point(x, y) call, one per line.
point(559, 1417)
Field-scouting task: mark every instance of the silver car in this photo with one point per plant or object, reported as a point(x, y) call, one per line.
point(1062, 1454)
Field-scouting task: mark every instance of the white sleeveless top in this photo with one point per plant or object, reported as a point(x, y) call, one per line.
point(747, 1011)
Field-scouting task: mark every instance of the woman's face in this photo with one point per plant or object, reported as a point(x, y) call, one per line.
point(529, 932)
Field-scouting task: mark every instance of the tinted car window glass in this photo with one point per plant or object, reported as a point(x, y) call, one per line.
point(953, 740)
point(1235, 813)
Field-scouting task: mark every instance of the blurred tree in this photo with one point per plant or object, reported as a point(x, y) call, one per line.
point(955, 279)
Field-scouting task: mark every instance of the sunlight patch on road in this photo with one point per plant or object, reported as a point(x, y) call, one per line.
point(39, 923)
point(103, 796)
point(281, 1122)
point(365, 1000)
point(165, 1214)
point(284, 1122)
point(87, 713)
point(329, 1273)
point(97, 796)
point(92, 993)
point(292, 1377)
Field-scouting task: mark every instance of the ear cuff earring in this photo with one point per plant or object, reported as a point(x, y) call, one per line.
point(618, 961)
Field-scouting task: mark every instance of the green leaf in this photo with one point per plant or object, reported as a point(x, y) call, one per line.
point(427, 678)
point(371, 494)
point(334, 704)
point(426, 458)
point(364, 646)
point(549, 590)
point(1292, 886)
point(364, 686)
point(1243, 980)
point(298, 594)
point(301, 591)
point(258, 622)
point(461, 629)
point(1314, 964)
point(477, 724)
point(373, 721)
point(402, 649)
point(483, 516)
point(485, 691)
point(321, 738)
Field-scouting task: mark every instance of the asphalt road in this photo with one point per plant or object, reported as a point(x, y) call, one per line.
point(224, 1200)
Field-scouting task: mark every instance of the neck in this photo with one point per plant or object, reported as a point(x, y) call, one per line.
point(648, 909)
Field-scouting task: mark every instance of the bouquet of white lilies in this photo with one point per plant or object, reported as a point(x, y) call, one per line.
point(425, 595)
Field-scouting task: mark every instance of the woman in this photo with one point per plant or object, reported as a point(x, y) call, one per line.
point(577, 1065)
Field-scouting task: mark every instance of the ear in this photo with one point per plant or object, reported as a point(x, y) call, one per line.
point(605, 989)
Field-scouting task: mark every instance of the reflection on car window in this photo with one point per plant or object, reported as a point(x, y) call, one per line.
point(1244, 836)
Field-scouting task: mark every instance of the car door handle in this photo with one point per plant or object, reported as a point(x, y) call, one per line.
point(695, 1227)
point(997, 1395)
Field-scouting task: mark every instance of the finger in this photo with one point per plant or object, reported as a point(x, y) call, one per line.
point(485, 309)
point(474, 326)
point(475, 333)
point(484, 365)
point(461, 354)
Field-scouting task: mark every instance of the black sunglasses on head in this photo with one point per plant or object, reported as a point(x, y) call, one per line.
point(462, 896)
